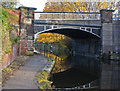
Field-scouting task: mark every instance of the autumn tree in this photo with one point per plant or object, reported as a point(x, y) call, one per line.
point(50, 37)
point(77, 6)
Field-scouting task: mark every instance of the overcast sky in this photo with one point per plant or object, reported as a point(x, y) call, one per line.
point(39, 4)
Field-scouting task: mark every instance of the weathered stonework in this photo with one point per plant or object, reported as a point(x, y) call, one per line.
point(106, 31)
point(26, 28)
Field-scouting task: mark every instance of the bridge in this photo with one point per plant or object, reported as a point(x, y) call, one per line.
point(88, 26)
point(81, 26)
point(86, 37)
point(92, 33)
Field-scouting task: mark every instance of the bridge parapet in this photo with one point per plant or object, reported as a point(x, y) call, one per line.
point(67, 15)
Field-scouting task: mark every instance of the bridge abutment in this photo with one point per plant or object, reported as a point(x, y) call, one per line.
point(106, 31)
point(107, 37)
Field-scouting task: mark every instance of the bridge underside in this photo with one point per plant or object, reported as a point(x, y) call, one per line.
point(73, 33)
point(84, 42)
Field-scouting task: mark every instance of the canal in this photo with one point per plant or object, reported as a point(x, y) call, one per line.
point(72, 71)
point(71, 75)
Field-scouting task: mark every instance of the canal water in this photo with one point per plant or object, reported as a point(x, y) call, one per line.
point(73, 71)
point(76, 72)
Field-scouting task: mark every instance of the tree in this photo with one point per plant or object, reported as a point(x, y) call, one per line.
point(78, 6)
point(9, 5)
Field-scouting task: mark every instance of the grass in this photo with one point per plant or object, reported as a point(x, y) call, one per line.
point(49, 60)
point(42, 78)
point(8, 70)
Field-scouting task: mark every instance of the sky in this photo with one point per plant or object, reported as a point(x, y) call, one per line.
point(39, 4)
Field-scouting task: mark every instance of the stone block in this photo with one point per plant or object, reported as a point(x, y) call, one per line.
point(107, 37)
point(107, 42)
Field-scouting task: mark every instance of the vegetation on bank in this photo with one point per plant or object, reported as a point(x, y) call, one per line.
point(42, 78)
point(29, 53)
point(57, 44)
point(9, 35)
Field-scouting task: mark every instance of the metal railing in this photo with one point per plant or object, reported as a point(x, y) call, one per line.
point(70, 16)
point(67, 16)
point(91, 85)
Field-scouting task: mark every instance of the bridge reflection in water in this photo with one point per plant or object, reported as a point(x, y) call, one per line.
point(85, 72)
point(73, 71)
point(82, 73)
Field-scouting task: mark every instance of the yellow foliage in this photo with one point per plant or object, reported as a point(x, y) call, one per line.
point(78, 6)
point(50, 37)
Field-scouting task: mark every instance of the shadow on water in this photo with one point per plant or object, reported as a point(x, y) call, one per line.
point(71, 78)
point(110, 74)
point(83, 70)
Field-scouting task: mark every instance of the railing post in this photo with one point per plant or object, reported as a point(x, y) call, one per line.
point(90, 30)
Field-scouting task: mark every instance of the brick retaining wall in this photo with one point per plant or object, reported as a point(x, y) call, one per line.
point(10, 57)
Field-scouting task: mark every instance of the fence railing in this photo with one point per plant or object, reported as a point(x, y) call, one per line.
point(91, 85)
point(70, 16)
point(67, 15)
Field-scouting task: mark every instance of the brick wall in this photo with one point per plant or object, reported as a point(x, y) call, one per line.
point(10, 57)
point(22, 47)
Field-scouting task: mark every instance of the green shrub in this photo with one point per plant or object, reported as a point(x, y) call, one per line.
point(8, 70)
point(29, 53)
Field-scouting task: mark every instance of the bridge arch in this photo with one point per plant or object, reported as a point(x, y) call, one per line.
point(84, 42)
point(73, 33)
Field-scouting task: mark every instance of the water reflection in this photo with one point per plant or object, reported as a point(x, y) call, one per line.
point(61, 64)
point(73, 71)
point(71, 78)
point(110, 74)
point(87, 64)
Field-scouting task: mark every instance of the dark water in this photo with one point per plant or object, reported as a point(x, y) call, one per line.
point(72, 71)
point(80, 71)
point(72, 78)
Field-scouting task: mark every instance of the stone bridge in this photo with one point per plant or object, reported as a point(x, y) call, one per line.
point(99, 28)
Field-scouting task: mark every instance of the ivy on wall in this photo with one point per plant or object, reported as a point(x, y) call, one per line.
point(9, 18)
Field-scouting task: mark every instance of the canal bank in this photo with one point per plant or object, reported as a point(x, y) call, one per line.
point(43, 75)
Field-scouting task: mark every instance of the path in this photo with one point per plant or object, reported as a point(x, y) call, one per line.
point(25, 76)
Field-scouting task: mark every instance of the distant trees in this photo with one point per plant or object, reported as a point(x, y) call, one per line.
point(78, 6)
point(74, 7)
point(9, 5)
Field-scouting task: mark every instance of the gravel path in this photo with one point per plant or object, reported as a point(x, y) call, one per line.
point(25, 76)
